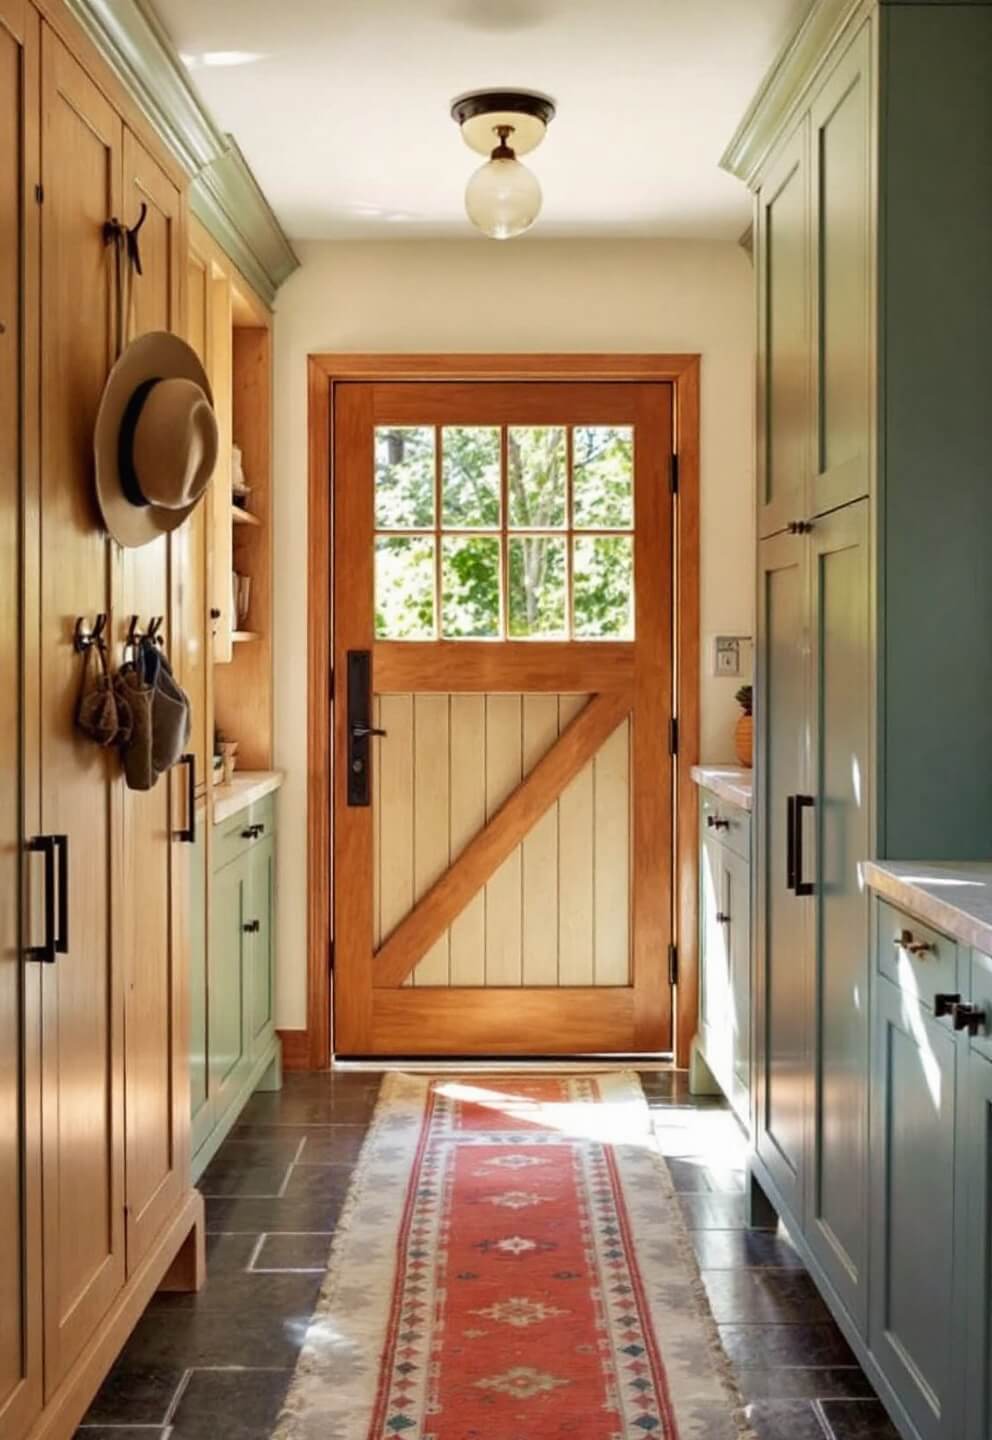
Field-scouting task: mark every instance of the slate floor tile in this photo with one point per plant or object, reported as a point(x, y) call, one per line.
point(135, 1395)
point(713, 1212)
point(729, 1249)
point(120, 1432)
point(762, 1346)
point(337, 1145)
point(776, 1296)
point(805, 1383)
point(258, 1182)
point(857, 1420)
point(256, 1216)
point(230, 1404)
point(293, 1252)
point(785, 1420)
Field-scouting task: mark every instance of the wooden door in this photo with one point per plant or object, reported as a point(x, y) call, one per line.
point(783, 999)
point(783, 363)
point(843, 266)
point(83, 1037)
point(914, 1111)
point(503, 555)
point(20, 874)
point(836, 1223)
point(152, 921)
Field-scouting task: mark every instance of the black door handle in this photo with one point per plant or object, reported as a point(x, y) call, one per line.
point(790, 842)
point(189, 834)
point(362, 732)
point(252, 927)
point(801, 886)
point(56, 940)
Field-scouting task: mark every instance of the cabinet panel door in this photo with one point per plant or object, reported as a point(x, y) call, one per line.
point(201, 1104)
point(914, 1102)
point(261, 983)
point(83, 1089)
point(784, 400)
point(975, 1307)
point(843, 269)
point(152, 917)
point(782, 971)
point(836, 1224)
point(227, 994)
point(715, 980)
point(739, 875)
point(20, 982)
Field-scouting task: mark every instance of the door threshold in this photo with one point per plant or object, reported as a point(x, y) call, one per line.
point(445, 1064)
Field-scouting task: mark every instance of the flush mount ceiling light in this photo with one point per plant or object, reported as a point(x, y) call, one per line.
point(503, 197)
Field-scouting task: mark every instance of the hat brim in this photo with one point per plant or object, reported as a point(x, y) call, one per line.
point(155, 356)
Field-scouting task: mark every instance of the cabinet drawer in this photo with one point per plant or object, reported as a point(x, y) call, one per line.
point(928, 971)
point(980, 994)
point(233, 837)
point(727, 823)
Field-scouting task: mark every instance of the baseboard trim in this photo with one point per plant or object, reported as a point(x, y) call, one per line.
point(295, 1049)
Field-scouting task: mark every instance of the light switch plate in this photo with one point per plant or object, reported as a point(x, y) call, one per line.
point(727, 654)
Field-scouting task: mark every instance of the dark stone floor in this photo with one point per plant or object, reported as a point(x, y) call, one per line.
point(216, 1366)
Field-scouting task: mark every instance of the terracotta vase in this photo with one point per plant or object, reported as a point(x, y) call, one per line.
point(744, 740)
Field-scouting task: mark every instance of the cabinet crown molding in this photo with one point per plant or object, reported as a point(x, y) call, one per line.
point(224, 194)
point(782, 89)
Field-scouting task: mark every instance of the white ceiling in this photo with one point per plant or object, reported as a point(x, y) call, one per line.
point(341, 106)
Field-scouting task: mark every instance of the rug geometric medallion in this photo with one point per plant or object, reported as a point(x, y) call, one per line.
point(512, 1265)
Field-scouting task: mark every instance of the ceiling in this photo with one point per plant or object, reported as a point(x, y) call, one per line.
point(341, 106)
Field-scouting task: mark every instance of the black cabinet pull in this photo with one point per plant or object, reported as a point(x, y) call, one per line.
point(252, 927)
point(713, 822)
point(252, 832)
point(801, 886)
point(790, 842)
point(189, 834)
point(721, 918)
point(944, 1004)
point(55, 849)
point(969, 1017)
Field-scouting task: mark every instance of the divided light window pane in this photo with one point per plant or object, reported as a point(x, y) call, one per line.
point(603, 477)
point(537, 461)
point(470, 467)
point(537, 587)
point(404, 587)
point(603, 587)
point(470, 586)
point(404, 477)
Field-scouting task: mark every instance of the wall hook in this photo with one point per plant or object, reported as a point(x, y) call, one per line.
point(83, 639)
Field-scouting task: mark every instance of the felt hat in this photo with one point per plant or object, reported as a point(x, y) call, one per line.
point(156, 439)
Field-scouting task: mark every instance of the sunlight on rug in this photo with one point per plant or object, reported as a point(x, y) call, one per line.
point(512, 1264)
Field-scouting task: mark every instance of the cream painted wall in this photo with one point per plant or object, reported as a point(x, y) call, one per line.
point(528, 295)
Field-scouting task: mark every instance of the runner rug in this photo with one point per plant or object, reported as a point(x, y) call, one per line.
point(512, 1265)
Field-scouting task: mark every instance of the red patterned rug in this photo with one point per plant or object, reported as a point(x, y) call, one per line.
point(512, 1265)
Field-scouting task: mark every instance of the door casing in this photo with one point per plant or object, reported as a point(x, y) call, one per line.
point(325, 371)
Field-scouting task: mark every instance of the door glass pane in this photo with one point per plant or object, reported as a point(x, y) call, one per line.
point(536, 465)
point(602, 477)
point(470, 477)
point(603, 587)
point(470, 587)
point(537, 586)
point(404, 587)
point(404, 477)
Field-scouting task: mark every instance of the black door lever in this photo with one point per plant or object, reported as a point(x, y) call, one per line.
point(362, 732)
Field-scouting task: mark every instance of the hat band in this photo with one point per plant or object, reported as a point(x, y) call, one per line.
point(130, 483)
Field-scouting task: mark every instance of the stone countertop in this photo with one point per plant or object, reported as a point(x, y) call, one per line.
point(730, 782)
point(952, 895)
point(246, 787)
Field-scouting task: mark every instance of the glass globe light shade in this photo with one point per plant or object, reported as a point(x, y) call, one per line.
point(503, 197)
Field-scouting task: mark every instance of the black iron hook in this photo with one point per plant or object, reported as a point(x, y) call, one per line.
point(83, 639)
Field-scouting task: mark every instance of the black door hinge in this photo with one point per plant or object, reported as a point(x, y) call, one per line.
point(673, 964)
point(673, 737)
point(39, 194)
point(330, 956)
point(675, 474)
point(330, 683)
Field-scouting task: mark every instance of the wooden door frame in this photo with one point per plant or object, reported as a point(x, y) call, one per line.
point(313, 1049)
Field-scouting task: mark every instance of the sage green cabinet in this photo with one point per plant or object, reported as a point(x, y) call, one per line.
point(913, 1327)
point(724, 1036)
point(236, 1048)
point(201, 1106)
point(975, 1261)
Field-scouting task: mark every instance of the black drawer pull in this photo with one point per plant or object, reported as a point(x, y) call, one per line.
point(904, 940)
point(252, 832)
point(969, 1017)
point(721, 918)
point(252, 927)
point(800, 886)
point(716, 823)
point(945, 1004)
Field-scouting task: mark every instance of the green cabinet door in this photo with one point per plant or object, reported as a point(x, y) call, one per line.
point(914, 1111)
point(782, 1009)
point(201, 1104)
point(836, 1224)
point(975, 1255)
point(260, 949)
point(724, 962)
point(228, 1024)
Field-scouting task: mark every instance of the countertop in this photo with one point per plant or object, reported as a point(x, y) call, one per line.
point(246, 787)
point(953, 895)
point(730, 782)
